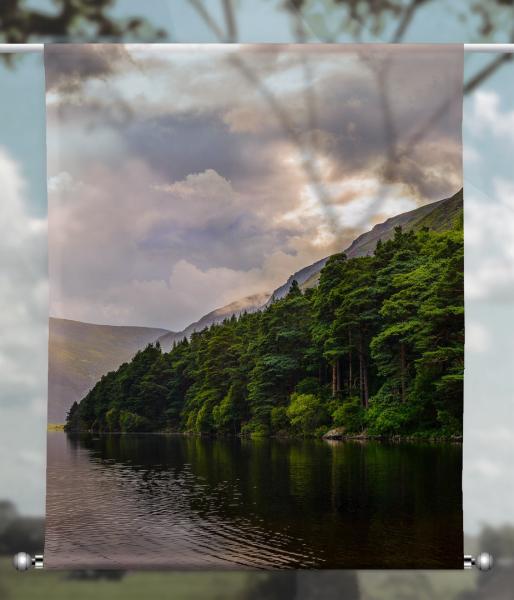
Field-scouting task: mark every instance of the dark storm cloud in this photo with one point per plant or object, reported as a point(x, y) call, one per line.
point(177, 145)
point(384, 116)
point(401, 124)
point(251, 236)
point(67, 66)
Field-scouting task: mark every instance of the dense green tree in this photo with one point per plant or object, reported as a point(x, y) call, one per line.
point(306, 412)
point(282, 341)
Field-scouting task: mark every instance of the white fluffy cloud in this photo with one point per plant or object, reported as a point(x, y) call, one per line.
point(489, 239)
point(23, 360)
point(489, 286)
point(166, 253)
point(488, 116)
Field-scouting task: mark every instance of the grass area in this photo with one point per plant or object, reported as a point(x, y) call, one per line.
point(374, 585)
point(43, 585)
point(418, 585)
point(55, 427)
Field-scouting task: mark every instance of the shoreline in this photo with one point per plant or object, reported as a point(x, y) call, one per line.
point(328, 437)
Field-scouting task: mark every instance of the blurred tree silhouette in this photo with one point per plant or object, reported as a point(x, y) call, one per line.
point(329, 20)
point(498, 583)
point(19, 533)
point(499, 542)
point(72, 20)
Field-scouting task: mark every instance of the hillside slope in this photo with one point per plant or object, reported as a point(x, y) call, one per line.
point(438, 216)
point(80, 353)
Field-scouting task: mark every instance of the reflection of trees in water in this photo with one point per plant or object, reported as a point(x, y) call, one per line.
point(324, 502)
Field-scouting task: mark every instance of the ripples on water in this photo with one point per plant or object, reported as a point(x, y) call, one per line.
point(154, 501)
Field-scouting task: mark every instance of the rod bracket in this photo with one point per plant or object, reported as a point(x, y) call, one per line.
point(23, 561)
point(483, 562)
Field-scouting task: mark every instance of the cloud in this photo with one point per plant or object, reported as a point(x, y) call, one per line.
point(23, 286)
point(488, 116)
point(23, 359)
point(489, 239)
point(247, 104)
point(216, 159)
point(478, 337)
point(67, 70)
point(193, 246)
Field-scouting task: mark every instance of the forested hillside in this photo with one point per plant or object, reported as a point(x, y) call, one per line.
point(378, 346)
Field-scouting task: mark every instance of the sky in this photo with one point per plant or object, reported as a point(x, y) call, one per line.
point(488, 128)
point(182, 179)
point(22, 103)
point(23, 284)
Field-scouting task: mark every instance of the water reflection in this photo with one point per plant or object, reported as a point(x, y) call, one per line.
point(137, 501)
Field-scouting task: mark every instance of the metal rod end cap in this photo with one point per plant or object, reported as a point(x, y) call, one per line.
point(22, 561)
point(484, 561)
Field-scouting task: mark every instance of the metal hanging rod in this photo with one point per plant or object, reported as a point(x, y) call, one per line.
point(23, 561)
point(491, 48)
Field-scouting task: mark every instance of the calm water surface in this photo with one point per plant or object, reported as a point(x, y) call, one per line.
point(152, 501)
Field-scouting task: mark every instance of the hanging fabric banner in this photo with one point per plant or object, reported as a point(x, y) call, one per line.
point(256, 351)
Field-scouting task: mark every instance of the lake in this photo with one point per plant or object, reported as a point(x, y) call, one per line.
point(171, 501)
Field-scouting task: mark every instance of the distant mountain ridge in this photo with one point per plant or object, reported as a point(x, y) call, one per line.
point(80, 353)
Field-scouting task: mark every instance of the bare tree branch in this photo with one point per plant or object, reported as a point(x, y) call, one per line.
point(305, 144)
point(493, 65)
point(405, 21)
point(309, 166)
point(199, 6)
point(228, 10)
point(486, 72)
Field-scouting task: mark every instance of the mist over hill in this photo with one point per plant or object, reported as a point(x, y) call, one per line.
point(248, 304)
